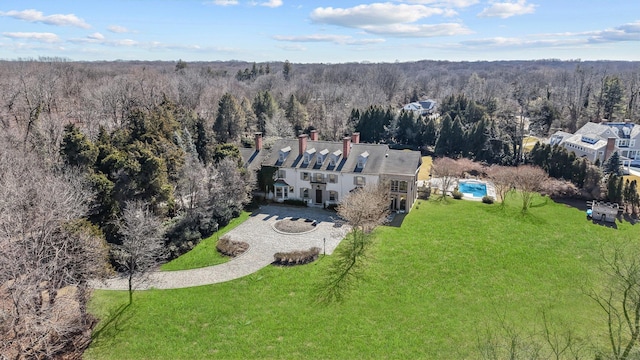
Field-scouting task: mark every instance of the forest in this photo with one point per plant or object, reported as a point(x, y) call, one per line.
point(83, 142)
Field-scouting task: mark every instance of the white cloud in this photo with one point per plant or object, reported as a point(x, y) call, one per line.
point(118, 29)
point(293, 47)
point(625, 32)
point(399, 20)
point(32, 15)
point(419, 30)
point(96, 36)
point(336, 39)
point(445, 3)
point(35, 36)
point(272, 3)
point(373, 14)
point(508, 9)
point(225, 2)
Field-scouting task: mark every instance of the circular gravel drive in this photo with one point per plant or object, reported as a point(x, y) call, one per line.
point(264, 241)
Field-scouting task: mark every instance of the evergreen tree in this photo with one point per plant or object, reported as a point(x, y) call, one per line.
point(457, 141)
point(77, 149)
point(373, 123)
point(429, 134)
point(203, 142)
point(286, 70)
point(612, 93)
point(264, 107)
point(477, 140)
point(297, 114)
point(230, 121)
point(407, 128)
point(612, 165)
point(443, 144)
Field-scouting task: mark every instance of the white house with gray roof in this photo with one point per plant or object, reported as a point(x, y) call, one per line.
point(598, 141)
point(324, 172)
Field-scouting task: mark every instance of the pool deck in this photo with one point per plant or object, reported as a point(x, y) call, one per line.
point(491, 190)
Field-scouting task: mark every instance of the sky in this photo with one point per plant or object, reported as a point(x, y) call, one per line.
point(310, 31)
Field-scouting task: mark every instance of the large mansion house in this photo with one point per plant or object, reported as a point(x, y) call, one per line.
point(321, 173)
point(598, 141)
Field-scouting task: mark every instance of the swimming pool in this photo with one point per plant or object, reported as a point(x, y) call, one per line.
point(476, 188)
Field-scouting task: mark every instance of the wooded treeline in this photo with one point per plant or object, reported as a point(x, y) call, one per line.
point(234, 99)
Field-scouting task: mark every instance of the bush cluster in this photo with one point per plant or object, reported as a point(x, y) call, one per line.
point(295, 202)
point(456, 194)
point(487, 199)
point(424, 192)
point(298, 257)
point(184, 233)
point(228, 247)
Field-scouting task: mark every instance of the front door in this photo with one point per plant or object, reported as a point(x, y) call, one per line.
point(318, 196)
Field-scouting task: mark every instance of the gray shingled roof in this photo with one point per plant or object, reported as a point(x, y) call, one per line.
point(380, 159)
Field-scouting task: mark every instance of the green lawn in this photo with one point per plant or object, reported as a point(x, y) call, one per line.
point(435, 284)
point(205, 253)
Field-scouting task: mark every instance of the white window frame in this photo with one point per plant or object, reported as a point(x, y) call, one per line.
point(305, 176)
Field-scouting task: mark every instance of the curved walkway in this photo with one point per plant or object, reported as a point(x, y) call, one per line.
point(264, 242)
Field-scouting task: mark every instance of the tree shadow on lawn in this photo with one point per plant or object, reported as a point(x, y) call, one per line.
point(106, 333)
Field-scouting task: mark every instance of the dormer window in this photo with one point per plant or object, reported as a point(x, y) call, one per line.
point(362, 160)
point(321, 156)
point(308, 155)
point(283, 153)
point(333, 159)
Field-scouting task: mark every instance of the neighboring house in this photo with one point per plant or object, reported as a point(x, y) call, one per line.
point(322, 173)
point(424, 107)
point(598, 141)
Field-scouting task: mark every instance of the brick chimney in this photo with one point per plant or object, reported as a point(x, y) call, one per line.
point(302, 143)
point(346, 146)
point(314, 135)
point(258, 141)
point(355, 138)
point(611, 147)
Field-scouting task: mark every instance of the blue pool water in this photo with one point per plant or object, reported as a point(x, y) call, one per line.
point(476, 188)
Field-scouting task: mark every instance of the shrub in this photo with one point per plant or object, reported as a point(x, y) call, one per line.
point(424, 192)
point(487, 199)
point(228, 247)
point(333, 207)
point(456, 194)
point(295, 202)
point(298, 257)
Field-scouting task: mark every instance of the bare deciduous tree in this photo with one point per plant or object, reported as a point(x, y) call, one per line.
point(529, 180)
point(142, 242)
point(363, 209)
point(47, 257)
point(447, 171)
point(503, 179)
point(620, 301)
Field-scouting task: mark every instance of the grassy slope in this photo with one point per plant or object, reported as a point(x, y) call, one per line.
point(425, 168)
point(205, 253)
point(435, 284)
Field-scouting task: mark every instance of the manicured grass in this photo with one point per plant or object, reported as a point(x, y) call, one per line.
point(425, 168)
point(432, 288)
point(205, 253)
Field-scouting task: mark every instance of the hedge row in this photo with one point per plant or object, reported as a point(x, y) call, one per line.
point(298, 257)
point(228, 247)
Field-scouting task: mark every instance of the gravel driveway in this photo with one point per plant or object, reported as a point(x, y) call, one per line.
point(264, 241)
